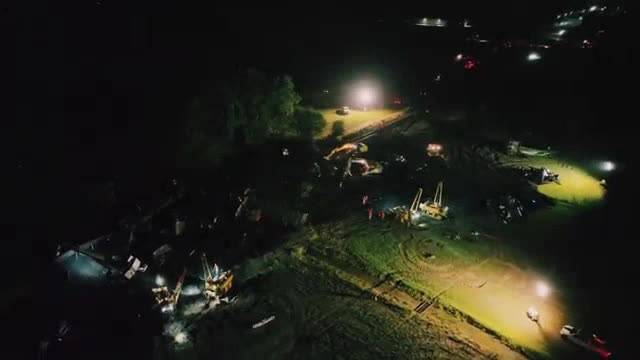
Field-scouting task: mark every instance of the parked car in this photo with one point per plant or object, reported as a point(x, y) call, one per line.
point(343, 111)
point(591, 343)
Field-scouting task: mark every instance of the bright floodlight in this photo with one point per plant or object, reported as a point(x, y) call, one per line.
point(593, 8)
point(561, 32)
point(608, 166)
point(366, 96)
point(542, 289)
point(160, 280)
point(458, 57)
point(533, 56)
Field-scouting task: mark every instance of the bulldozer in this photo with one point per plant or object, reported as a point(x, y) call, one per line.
point(434, 208)
point(216, 284)
point(347, 148)
point(167, 300)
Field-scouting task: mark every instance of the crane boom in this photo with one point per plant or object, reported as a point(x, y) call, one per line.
point(206, 268)
point(178, 290)
point(416, 201)
point(437, 198)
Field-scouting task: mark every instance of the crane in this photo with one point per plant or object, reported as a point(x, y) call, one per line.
point(408, 216)
point(215, 286)
point(435, 208)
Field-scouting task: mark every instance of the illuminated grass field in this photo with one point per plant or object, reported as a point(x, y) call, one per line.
point(467, 276)
point(321, 309)
point(356, 119)
point(576, 185)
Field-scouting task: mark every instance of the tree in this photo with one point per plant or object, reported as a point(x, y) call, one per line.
point(259, 108)
point(308, 122)
point(337, 129)
point(248, 109)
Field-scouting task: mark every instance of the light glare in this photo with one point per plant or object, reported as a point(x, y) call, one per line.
point(542, 289)
point(366, 96)
point(608, 166)
point(533, 56)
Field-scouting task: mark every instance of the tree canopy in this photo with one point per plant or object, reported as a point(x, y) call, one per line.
point(248, 110)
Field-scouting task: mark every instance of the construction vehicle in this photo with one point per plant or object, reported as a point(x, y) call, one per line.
point(434, 208)
point(216, 283)
point(167, 300)
point(347, 148)
point(343, 111)
point(366, 167)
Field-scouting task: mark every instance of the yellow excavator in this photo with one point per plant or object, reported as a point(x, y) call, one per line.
point(347, 149)
point(215, 286)
point(167, 300)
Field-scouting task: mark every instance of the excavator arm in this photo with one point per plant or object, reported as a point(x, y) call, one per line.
point(359, 147)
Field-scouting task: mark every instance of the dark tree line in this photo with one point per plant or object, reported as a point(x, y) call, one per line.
point(249, 109)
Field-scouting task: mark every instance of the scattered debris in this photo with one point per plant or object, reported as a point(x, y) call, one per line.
point(263, 322)
point(160, 254)
point(400, 158)
point(507, 208)
point(135, 265)
point(181, 225)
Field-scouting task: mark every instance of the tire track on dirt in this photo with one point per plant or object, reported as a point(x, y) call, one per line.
point(391, 295)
